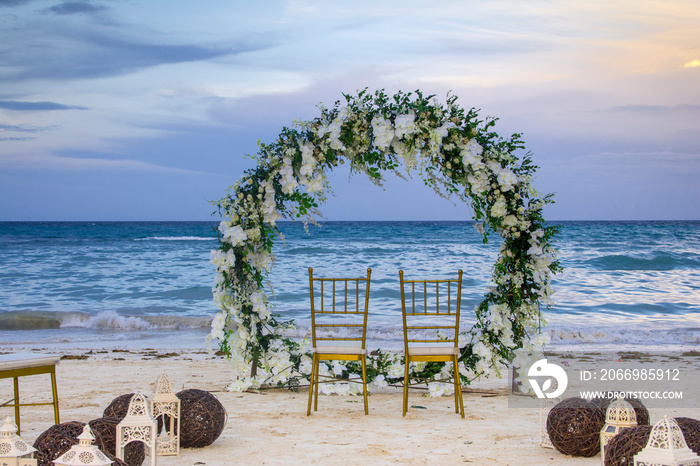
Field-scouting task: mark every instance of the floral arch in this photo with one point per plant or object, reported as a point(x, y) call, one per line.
point(457, 154)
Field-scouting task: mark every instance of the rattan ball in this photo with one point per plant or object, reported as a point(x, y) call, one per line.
point(58, 439)
point(118, 407)
point(574, 427)
point(691, 432)
point(202, 418)
point(105, 431)
point(620, 450)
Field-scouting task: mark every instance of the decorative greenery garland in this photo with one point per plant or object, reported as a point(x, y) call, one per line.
point(457, 154)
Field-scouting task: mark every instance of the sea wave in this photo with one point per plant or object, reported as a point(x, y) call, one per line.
point(106, 320)
point(657, 261)
point(176, 238)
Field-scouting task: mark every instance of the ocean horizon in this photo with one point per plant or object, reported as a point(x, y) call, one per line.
point(106, 284)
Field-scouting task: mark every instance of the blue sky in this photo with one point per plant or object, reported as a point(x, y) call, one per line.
point(121, 110)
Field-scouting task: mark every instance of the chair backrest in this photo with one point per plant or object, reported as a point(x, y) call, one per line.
point(339, 308)
point(429, 307)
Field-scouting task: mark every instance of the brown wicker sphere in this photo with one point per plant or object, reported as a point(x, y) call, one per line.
point(574, 427)
point(202, 418)
point(118, 407)
point(691, 432)
point(620, 450)
point(105, 431)
point(58, 439)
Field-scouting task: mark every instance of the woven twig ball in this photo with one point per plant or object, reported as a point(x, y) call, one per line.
point(620, 450)
point(574, 427)
point(58, 439)
point(691, 432)
point(202, 418)
point(120, 406)
point(105, 431)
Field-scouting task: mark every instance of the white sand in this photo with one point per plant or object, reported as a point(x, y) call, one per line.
point(271, 427)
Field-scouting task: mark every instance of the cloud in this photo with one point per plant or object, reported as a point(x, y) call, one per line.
point(60, 163)
point(27, 129)
point(68, 45)
point(77, 54)
point(16, 139)
point(9, 3)
point(72, 8)
point(682, 108)
point(692, 64)
point(37, 106)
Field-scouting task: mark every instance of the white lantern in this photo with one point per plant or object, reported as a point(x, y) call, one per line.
point(666, 446)
point(84, 453)
point(13, 450)
point(619, 415)
point(167, 405)
point(138, 426)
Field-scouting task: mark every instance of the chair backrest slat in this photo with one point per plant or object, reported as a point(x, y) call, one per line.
point(325, 325)
point(436, 317)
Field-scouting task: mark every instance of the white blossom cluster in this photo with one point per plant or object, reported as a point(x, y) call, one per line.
point(420, 139)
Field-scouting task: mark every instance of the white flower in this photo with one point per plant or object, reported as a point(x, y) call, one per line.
point(472, 151)
point(338, 368)
point(509, 221)
point(498, 210)
point(405, 124)
point(378, 382)
point(383, 132)
point(436, 389)
point(257, 300)
point(396, 370)
point(305, 364)
point(233, 234)
point(316, 184)
point(506, 179)
point(288, 181)
point(240, 385)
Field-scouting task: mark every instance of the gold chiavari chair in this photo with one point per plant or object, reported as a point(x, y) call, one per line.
point(430, 307)
point(338, 327)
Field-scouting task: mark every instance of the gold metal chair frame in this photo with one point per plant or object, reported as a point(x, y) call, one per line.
point(32, 364)
point(438, 352)
point(330, 352)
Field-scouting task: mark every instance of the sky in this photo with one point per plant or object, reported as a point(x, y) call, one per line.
point(147, 110)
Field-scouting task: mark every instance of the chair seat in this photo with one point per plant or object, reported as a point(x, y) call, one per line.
point(339, 350)
point(24, 360)
point(433, 351)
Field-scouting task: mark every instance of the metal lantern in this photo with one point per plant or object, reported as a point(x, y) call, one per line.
point(167, 405)
point(666, 446)
point(13, 450)
point(619, 415)
point(137, 426)
point(84, 453)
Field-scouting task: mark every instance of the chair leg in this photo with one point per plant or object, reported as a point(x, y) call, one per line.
point(405, 388)
point(364, 384)
point(458, 388)
point(311, 384)
point(16, 387)
point(318, 368)
point(54, 391)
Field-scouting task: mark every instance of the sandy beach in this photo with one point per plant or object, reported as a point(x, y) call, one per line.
point(271, 426)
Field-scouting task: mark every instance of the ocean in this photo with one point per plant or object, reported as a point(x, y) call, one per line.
point(625, 285)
